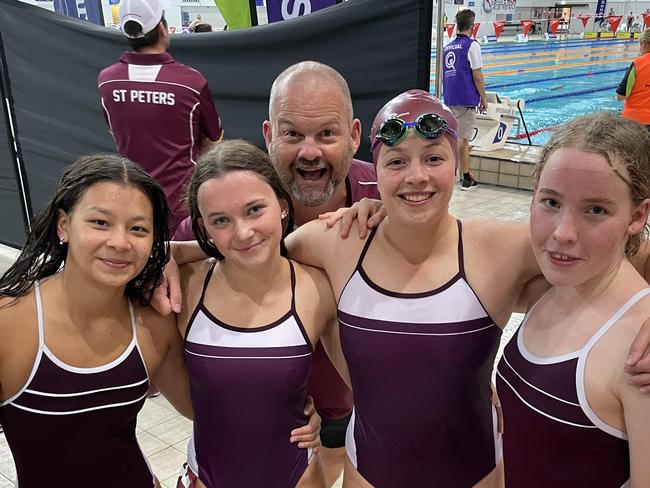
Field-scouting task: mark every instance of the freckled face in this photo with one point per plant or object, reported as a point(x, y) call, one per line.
point(581, 216)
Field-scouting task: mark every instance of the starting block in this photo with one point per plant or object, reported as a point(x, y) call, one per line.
point(492, 128)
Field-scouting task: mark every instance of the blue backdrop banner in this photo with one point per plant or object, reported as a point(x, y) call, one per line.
point(90, 10)
point(288, 9)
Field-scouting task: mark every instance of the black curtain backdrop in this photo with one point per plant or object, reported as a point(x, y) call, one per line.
point(382, 47)
point(13, 212)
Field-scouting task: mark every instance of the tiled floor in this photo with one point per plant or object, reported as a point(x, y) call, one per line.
point(163, 434)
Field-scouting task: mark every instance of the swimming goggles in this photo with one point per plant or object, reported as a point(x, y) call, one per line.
point(427, 126)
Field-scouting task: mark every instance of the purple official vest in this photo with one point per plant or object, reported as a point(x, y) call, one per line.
point(458, 85)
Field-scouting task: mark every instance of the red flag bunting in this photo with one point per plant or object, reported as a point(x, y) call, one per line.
point(646, 21)
point(475, 29)
point(450, 29)
point(554, 24)
point(584, 19)
point(526, 24)
point(614, 21)
point(498, 28)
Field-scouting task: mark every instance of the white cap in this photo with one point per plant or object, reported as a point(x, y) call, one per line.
point(147, 13)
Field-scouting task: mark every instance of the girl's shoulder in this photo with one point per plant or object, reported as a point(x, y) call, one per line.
point(632, 321)
point(193, 274)
point(327, 239)
point(313, 286)
point(310, 276)
point(14, 311)
point(19, 331)
point(147, 317)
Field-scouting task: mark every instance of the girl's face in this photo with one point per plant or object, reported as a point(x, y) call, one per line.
point(109, 233)
point(416, 178)
point(242, 216)
point(581, 216)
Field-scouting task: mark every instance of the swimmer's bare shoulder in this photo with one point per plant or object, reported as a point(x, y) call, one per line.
point(19, 344)
point(500, 264)
point(317, 245)
point(504, 243)
point(314, 298)
point(192, 280)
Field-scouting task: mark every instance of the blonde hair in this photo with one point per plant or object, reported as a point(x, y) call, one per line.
point(623, 143)
point(644, 38)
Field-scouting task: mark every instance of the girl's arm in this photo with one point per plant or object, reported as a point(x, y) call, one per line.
point(308, 436)
point(332, 345)
point(367, 211)
point(636, 410)
point(170, 377)
point(168, 297)
point(186, 252)
point(329, 330)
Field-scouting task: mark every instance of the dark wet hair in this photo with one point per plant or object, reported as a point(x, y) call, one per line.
point(43, 254)
point(133, 28)
point(227, 156)
point(464, 20)
point(623, 143)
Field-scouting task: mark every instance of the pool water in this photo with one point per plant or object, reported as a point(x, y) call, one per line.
point(559, 80)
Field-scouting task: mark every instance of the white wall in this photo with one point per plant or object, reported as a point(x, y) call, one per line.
point(48, 4)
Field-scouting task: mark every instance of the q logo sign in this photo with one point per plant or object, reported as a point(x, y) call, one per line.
point(290, 13)
point(450, 60)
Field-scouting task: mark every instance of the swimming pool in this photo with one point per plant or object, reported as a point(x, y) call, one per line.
point(559, 80)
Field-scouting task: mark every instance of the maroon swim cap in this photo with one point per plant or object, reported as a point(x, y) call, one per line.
point(408, 106)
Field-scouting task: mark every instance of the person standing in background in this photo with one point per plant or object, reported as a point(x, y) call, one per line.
point(634, 88)
point(194, 23)
point(464, 87)
point(150, 100)
point(202, 28)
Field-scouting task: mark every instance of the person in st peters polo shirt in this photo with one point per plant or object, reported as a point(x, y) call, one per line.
point(150, 100)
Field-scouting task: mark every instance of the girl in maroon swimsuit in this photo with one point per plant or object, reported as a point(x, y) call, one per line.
point(571, 416)
point(79, 348)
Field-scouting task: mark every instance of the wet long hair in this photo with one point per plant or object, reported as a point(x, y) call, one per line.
point(43, 254)
point(227, 156)
point(623, 143)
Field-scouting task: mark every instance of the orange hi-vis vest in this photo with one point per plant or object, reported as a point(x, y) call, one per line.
point(637, 104)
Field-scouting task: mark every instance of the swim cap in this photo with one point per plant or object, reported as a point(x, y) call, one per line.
point(408, 106)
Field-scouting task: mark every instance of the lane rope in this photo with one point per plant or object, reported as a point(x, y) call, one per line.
point(570, 94)
point(532, 133)
point(566, 77)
